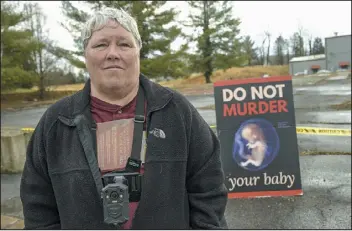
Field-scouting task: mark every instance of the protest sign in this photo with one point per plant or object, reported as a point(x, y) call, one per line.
point(257, 131)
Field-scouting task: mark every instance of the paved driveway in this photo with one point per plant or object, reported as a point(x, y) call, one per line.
point(326, 203)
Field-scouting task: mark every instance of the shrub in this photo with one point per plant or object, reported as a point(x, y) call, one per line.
point(15, 77)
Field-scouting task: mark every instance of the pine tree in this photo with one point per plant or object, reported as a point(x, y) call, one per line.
point(279, 50)
point(157, 58)
point(17, 43)
point(217, 44)
point(249, 50)
point(318, 47)
point(297, 45)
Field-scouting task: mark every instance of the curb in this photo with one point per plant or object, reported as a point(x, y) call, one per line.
point(8, 222)
point(299, 130)
point(315, 131)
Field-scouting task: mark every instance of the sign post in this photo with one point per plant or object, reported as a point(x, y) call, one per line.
point(257, 131)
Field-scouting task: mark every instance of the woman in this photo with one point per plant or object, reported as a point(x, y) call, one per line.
point(183, 182)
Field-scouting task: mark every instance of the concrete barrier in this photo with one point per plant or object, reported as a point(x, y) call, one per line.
point(13, 149)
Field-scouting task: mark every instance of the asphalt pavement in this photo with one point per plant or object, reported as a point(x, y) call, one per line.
point(325, 203)
point(326, 179)
point(312, 99)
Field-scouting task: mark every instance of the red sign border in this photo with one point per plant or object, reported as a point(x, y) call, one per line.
point(298, 192)
point(252, 80)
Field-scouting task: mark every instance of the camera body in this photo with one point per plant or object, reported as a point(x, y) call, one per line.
point(120, 188)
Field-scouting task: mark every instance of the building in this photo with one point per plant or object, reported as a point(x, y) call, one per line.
point(337, 56)
point(338, 52)
point(307, 64)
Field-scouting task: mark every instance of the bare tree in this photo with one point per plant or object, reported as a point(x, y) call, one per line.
point(301, 35)
point(262, 52)
point(44, 59)
point(268, 36)
point(310, 44)
point(279, 50)
point(297, 44)
point(287, 48)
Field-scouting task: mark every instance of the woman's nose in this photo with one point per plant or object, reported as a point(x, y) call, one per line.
point(113, 52)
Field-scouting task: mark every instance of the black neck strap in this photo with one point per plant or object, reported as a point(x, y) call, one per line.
point(134, 162)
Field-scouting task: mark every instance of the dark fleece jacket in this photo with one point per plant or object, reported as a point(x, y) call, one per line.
point(183, 184)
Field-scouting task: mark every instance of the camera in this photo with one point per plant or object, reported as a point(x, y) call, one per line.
point(120, 188)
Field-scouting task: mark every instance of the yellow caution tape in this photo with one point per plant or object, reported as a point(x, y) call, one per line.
point(299, 130)
point(27, 129)
point(319, 131)
point(324, 131)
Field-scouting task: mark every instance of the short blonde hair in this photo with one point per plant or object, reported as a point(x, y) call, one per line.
point(101, 18)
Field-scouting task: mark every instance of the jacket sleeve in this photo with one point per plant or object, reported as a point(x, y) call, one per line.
point(205, 178)
point(36, 192)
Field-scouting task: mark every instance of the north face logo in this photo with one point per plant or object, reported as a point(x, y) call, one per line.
point(158, 133)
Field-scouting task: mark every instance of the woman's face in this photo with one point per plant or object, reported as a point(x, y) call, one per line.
point(112, 58)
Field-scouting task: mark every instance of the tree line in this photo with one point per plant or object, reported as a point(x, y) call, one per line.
point(29, 57)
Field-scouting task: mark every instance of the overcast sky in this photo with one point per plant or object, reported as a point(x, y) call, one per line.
point(317, 18)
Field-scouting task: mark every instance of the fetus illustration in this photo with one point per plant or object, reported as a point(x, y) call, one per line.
point(256, 143)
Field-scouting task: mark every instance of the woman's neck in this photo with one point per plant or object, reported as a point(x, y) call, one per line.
point(116, 98)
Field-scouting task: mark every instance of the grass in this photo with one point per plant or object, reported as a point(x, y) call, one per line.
point(19, 90)
point(193, 84)
point(231, 73)
point(67, 87)
point(18, 100)
point(342, 106)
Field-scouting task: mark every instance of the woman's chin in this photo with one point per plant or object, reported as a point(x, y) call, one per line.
point(114, 82)
point(114, 87)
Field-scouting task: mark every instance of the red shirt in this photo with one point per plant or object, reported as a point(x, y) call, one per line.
point(105, 112)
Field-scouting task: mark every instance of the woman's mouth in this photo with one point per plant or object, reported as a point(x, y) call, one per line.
point(113, 68)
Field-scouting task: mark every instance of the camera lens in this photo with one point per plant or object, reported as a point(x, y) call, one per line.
point(114, 195)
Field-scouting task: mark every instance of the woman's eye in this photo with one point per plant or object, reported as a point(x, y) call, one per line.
point(100, 45)
point(125, 44)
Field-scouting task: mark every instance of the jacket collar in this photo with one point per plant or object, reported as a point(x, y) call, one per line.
point(157, 96)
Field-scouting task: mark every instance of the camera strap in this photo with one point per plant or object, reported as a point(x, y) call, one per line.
point(134, 161)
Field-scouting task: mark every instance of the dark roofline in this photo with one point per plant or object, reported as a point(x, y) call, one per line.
point(338, 36)
point(302, 61)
